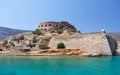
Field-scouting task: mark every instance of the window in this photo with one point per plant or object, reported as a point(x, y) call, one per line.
point(56, 25)
point(41, 25)
point(49, 24)
point(45, 25)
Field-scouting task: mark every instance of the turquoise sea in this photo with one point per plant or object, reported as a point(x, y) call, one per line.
point(56, 65)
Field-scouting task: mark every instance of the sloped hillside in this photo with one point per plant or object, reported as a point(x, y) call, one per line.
point(5, 32)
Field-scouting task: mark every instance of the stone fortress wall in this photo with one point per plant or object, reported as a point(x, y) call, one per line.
point(97, 43)
point(52, 26)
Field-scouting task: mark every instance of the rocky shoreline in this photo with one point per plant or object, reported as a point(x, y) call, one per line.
point(61, 52)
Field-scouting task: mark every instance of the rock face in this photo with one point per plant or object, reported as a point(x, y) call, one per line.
point(44, 52)
point(94, 43)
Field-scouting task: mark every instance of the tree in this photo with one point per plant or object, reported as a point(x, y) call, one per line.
point(44, 47)
point(34, 40)
point(37, 32)
point(12, 44)
point(60, 46)
point(59, 31)
point(22, 37)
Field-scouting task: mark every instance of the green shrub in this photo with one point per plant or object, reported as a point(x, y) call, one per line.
point(37, 32)
point(34, 40)
point(22, 37)
point(60, 46)
point(44, 47)
point(59, 31)
point(47, 38)
point(30, 45)
point(13, 44)
point(52, 31)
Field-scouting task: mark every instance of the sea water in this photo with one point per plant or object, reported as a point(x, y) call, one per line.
point(59, 65)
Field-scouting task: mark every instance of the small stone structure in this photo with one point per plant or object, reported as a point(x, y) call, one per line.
point(53, 26)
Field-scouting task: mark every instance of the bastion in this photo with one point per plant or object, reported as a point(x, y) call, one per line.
point(92, 43)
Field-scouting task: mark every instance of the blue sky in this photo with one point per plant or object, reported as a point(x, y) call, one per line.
point(85, 15)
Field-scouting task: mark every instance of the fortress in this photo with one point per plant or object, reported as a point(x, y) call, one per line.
point(54, 26)
point(95, 43)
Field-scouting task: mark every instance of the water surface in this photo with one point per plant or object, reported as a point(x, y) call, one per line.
point(67, 65)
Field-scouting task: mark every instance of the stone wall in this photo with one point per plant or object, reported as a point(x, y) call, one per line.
point(53, 26)
point(49, 26)
point(112, 44)
point(97, 43)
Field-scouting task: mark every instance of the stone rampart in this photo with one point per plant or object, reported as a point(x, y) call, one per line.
point(95, 43)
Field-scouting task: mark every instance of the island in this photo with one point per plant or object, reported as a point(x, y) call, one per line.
point(59, 38)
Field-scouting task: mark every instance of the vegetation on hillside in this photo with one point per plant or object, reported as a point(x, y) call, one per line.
point(37, 32)
point(34, 40)
point(59, 31)
point(47, 38)
point(22, 37)
point(44, 47)
point(60, 46)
